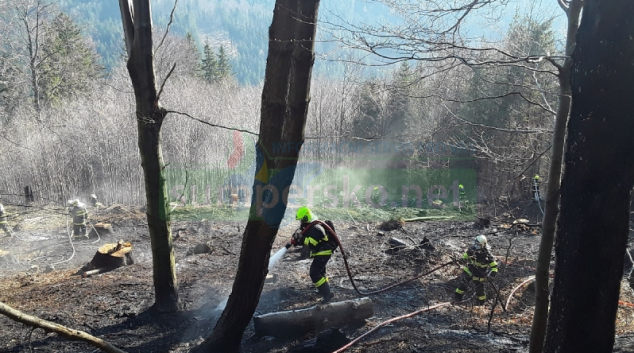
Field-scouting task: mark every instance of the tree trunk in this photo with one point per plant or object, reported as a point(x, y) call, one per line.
point(597, 183)
point(285, 99)
point(538, 329)
point(295, 323)
point(137, 26)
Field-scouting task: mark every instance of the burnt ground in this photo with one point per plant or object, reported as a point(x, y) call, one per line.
point(116, 306)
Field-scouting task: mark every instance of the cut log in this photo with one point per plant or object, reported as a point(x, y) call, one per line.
point(298, 322)
point(111, 256)
point(100, 230)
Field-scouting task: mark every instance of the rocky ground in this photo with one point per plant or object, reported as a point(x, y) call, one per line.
point(39, 267)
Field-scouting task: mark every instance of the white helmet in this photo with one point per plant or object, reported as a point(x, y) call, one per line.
point(480, 242)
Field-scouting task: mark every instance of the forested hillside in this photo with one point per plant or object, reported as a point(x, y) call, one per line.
point(444, 139)
point(239, 25)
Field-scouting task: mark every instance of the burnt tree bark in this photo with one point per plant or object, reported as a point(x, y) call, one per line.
point(137, 27)
point(285, 99)
point(549, 224)
point(598, 178)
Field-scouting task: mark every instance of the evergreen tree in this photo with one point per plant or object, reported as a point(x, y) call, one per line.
point(209, 65)
point(369, 120)
point(224, 68)
point(71, 65)
point(399, 101)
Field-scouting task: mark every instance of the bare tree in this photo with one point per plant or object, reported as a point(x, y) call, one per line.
point(27, 29)
point(597, 182)
point(137, 27)
point(285, 99)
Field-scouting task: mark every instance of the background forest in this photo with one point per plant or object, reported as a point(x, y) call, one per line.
point(66, 108)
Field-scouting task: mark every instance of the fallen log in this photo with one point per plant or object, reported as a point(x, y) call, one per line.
point(298, 322)
point(63, 331)
point(97, 271)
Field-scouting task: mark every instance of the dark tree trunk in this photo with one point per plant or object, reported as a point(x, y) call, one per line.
point(549, 225)
point(598, 178)
point(137, 26)
point(285, 99)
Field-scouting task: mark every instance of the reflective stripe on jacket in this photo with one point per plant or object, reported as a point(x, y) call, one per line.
point(80, 214)
point(314, 236)
point(479, 262)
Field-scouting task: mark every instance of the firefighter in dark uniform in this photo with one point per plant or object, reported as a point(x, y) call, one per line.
point(535, 188)
point(3, 222)
point(480, 265)
point(314, 236)
point(80, 215)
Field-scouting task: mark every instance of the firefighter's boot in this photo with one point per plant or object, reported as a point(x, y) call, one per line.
point(325, 292)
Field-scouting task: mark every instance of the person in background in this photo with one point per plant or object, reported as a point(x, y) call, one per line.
point(480, 265)
point(536, 182)
point(3, 222)
point(80, 215)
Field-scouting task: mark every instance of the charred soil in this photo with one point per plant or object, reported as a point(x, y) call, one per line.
point(39, 269)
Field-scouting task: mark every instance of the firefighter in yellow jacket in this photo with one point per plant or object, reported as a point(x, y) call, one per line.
point(80, 215)
point(321, 247)
point(480, 265)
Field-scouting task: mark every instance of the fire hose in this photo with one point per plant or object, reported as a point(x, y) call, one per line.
point(354, 285)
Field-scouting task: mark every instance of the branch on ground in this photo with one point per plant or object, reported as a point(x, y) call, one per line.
point(63, 331)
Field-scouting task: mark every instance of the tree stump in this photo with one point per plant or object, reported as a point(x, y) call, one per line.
point(298, 322)
point(110, 256)
point(100, 230)
point(202, 249)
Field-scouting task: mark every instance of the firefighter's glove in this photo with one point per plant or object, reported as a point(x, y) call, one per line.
point(288, 245)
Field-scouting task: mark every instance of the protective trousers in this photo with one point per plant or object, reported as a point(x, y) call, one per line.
point(477, 281)
point(79, 229)
point(318, 270)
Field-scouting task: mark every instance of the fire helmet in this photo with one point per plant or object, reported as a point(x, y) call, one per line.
point(480, 242)
point(305, 215)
